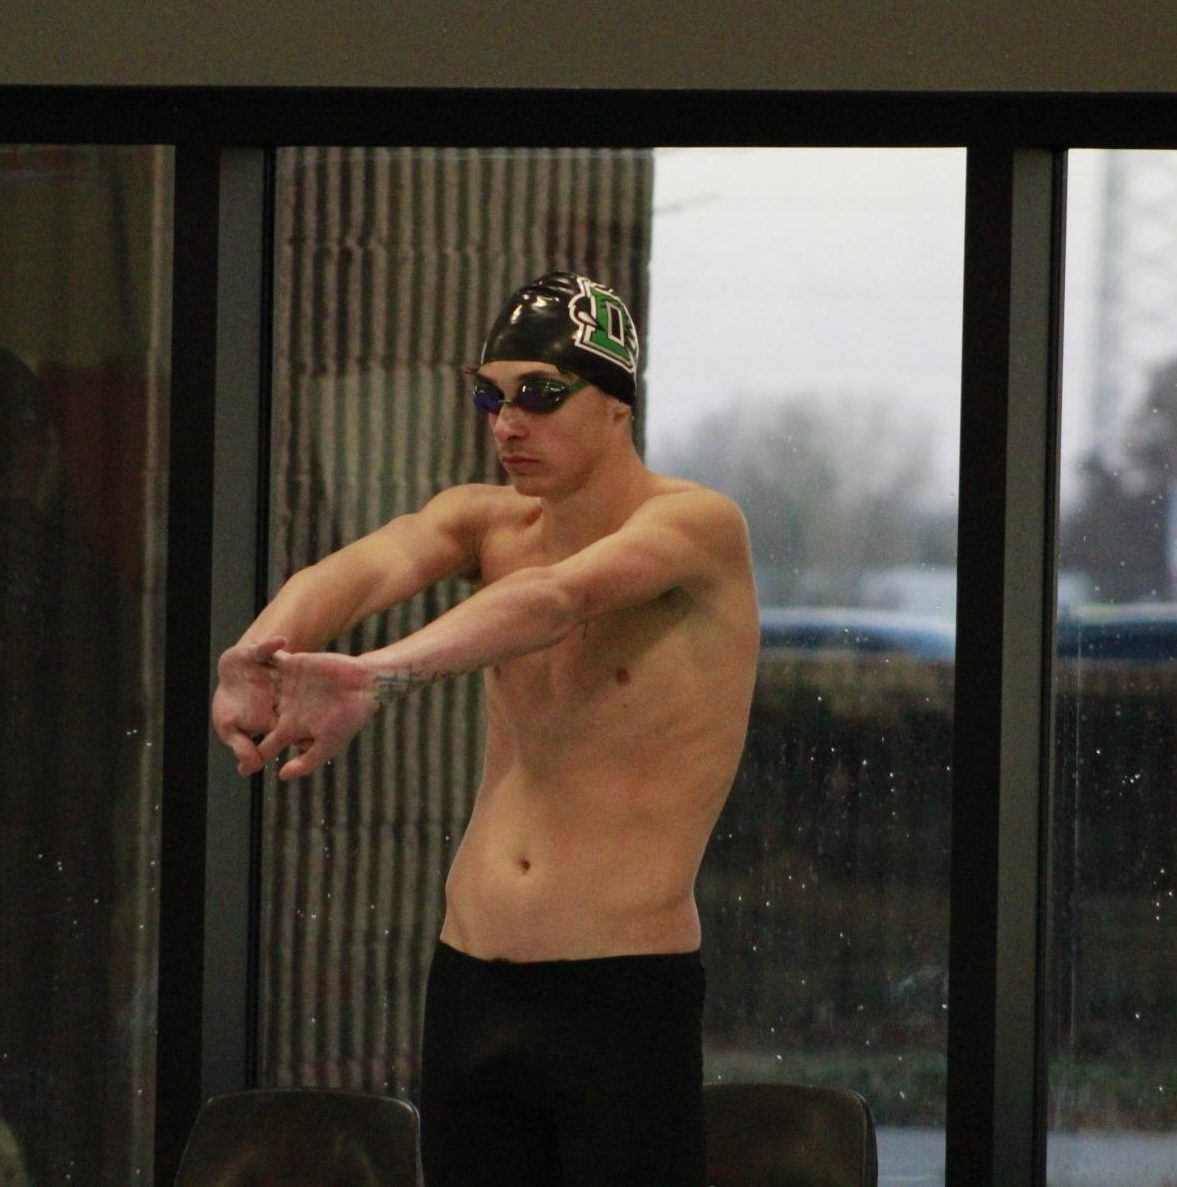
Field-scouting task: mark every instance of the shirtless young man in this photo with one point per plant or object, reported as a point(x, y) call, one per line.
point(616, 625)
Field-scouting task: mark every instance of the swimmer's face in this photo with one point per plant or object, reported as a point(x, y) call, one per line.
point(546, 453)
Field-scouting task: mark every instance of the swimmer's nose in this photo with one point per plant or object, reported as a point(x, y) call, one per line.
point(510, 424)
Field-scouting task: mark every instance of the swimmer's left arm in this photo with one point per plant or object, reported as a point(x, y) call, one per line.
point(686, 540)
point(682, 540)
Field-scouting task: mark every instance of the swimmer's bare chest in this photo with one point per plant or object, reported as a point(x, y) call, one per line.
point(600, 785)
point(601, 677)
point(563, 713)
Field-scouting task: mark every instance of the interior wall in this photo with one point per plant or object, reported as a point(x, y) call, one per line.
point(807, 45)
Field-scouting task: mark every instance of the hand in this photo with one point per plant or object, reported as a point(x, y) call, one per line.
point(324, 699)
point(244, 706)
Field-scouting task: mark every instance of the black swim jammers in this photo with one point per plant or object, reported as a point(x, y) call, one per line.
point(563, 1073)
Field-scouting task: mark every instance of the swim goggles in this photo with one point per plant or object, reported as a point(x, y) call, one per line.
point(537, 393)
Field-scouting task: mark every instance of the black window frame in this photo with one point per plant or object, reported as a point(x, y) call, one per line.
point(225, 142)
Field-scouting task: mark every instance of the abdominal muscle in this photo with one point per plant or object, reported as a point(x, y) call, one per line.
point(608, 759)
point(601, 866)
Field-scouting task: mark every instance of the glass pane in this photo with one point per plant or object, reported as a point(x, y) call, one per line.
point(1113, 978)
point(805, 357)
point(391, 265)
point(85, 242)
point(803, 319)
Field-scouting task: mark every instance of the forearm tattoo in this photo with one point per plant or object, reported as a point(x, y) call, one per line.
point(394, 685)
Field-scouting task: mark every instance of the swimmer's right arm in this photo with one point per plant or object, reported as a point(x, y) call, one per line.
point(388, 566)
point(321, 602)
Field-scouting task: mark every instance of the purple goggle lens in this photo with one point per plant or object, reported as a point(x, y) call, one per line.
point(537, 393)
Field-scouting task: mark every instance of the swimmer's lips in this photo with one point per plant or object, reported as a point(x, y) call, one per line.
point(513, 462)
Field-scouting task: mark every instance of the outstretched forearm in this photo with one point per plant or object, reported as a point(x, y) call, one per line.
point(527, 611)
point(312, 608)
point(324, 698)
point(533, 608)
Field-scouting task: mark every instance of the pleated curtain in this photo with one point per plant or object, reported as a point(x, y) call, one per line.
point(390, 264)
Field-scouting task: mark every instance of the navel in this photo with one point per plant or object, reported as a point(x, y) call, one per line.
point(524, 865)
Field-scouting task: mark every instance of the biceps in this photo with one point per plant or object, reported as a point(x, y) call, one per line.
point(403, 558)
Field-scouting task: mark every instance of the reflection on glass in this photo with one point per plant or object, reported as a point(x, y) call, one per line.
point(805, 358)
point(84, 331)
point(1113, 982)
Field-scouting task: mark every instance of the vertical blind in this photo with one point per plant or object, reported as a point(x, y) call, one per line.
point(390, 265)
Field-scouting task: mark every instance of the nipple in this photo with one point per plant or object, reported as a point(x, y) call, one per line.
point(621, 675)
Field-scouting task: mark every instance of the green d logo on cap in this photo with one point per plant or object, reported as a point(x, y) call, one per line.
point(603, 325)
point(579, 325)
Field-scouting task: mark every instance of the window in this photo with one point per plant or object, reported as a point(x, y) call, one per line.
point(1106, 830)
point(391, 264)
point(84, 343)
point(802, 326)
point(1114, 873)
point(805, 357)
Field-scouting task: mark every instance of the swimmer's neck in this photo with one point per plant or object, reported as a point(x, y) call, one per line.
point(571, 520)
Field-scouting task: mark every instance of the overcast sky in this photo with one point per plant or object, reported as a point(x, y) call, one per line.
point(834, 272)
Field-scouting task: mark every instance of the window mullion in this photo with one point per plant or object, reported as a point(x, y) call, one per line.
point(1005, 603)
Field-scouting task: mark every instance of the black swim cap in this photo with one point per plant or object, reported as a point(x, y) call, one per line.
point(574, 323)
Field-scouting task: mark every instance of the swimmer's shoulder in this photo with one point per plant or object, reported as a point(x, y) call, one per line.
point(482, 503)
point(705, 527)
point(482, 512)
point(696, 508)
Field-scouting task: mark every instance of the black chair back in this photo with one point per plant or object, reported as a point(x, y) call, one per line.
point(788, 1135)
point(295, 1137)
